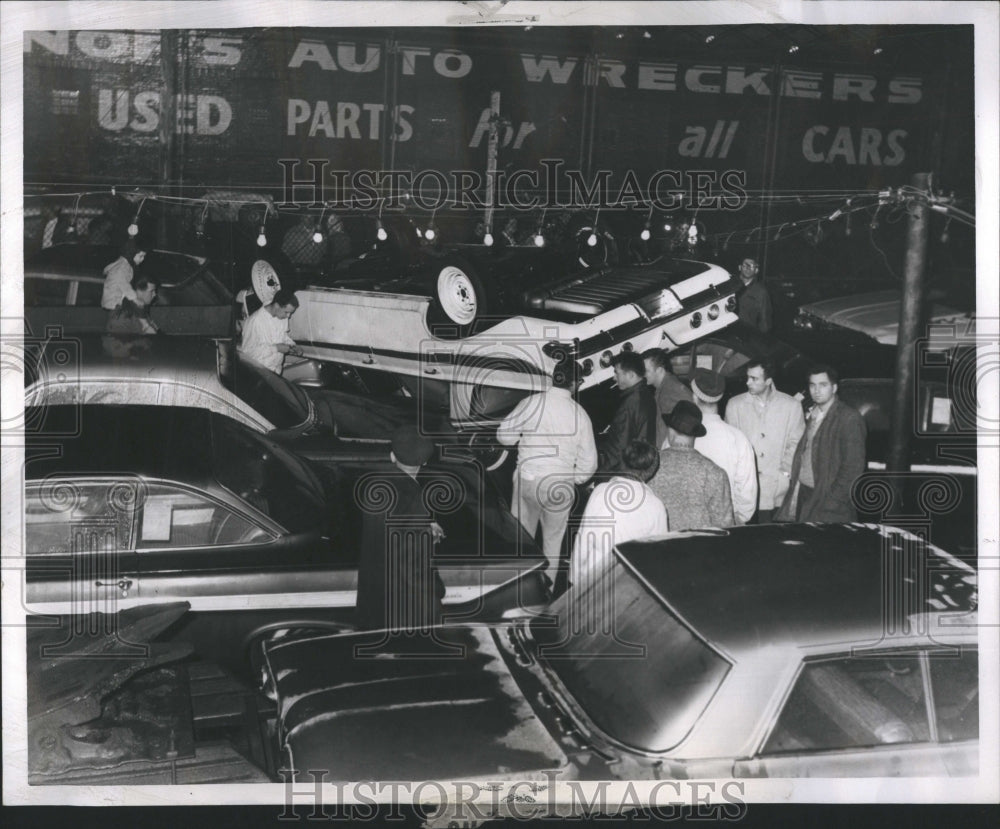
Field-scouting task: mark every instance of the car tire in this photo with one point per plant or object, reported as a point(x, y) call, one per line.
point(461, 297)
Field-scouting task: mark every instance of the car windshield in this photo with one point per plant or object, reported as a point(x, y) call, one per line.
point(267, 476)
point(283, 403)
point(646, 681)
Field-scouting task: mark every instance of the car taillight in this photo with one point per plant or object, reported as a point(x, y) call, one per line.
point(731, 303)
point(696, 319)
point(627, 346)
point(588, 367)
point(713, 312)
point(606, 359)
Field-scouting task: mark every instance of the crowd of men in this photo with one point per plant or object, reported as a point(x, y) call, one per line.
point(669, 461)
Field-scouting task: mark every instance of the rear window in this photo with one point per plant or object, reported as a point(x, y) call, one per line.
point(643, 677)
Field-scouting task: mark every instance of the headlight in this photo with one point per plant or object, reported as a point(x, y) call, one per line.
point(696, 319)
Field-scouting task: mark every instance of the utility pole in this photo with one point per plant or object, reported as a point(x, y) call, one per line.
point(911, 317)
point(491, 157)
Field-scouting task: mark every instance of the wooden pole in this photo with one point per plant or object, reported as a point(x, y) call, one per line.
point(491, 157)
point(911, 316)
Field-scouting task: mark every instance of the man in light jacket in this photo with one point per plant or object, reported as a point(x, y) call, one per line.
point(773, 423)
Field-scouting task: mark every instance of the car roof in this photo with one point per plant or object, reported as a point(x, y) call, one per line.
point(800, 585)
point(169, 442)
point(181, 355)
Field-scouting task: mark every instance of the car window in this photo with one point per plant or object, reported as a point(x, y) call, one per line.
point(262, 473)
point(283, 403)
point(89, 292)
point(65, 516)
point(176, 517)
point(646, 681)
point(955, 684)
point(45, 292)
point(854, 703)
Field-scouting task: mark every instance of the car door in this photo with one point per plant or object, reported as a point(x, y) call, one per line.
point(245, 578)
point(80, 545)
point(227, 556)
point(897, 713)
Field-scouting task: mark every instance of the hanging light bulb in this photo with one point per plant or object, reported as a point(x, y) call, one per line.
point(380, 233)
point(539, 239)
point(592, 240)
point(318, 235)
point(133, 229)
point(488, 238)
point(420, 233)
point(692, 234)
point(261, 239)
point(645, 231)
point(944, 233)
point(668, 227)
point(430, 233)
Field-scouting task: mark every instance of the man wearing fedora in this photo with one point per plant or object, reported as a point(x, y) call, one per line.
point(725, 445)
point(398, 587)
point(694, 490)
point(829, 458)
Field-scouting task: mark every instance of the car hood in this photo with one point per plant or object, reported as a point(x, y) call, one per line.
point(406, 707)
point(876, 314)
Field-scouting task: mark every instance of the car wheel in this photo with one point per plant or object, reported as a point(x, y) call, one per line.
point(253, 648)
point(461, 297)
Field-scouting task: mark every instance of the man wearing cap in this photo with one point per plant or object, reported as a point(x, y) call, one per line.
point(725, 445)
point(635, 417)
point(694, 490)
point(829, 458)
point(669, 391)
point(398, 587)
point(753, 302)
point(265, 333)
point(773, 423)
point(556, 453)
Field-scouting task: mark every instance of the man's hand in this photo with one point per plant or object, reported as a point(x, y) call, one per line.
point(436, 532)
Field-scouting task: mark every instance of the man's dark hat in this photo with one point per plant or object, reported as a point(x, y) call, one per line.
point(410, 447)
point(685, 419)
point(708, 385)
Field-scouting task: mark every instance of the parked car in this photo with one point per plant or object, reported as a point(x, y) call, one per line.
point(210, 374)
point(129, 505)
point(789, 661)
point(63, 286)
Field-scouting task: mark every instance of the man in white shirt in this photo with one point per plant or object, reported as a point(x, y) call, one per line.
point(556, 452)
point(619, 510)
point(725, 445)
point(265, 333)
point(774, 424)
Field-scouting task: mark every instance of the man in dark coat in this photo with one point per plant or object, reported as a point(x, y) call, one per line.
point(398, 587)
point(753, 302)
point(829, 458)
point(635, 417)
